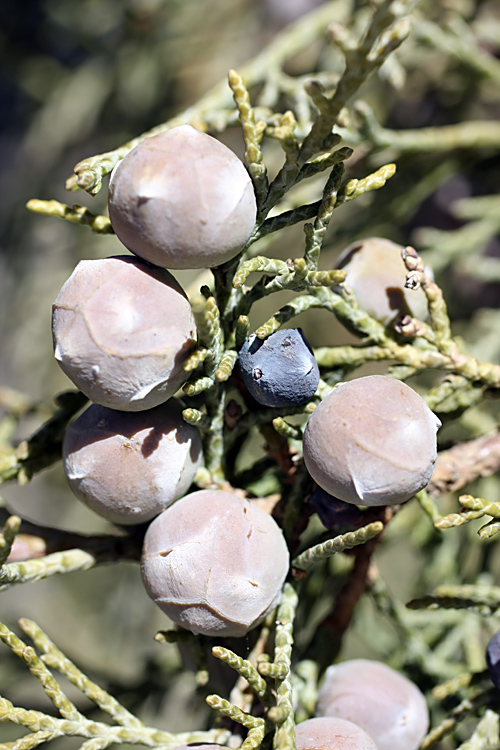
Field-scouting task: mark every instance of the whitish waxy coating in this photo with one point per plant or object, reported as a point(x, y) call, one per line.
point(182, 199)
point(122, 330)
point(129, 466)
point(384, 703)
point(215, 563)
point(280, 370)
point(371, 441)
point(332, 734)
point(376, 274)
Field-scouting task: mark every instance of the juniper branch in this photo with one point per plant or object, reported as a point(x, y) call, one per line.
point(198, 386)
point(479, 134)
point(54, 657)
point(480, 600)
point(205, 114)
point(252, 134)
point(196, 358)
point(233, 712)
point(207, 316)
point(245, 669)
point(45, 445)
point(340, 543)
point(362, 59)
point(75, 214)
point(259, 263)
point(485, 734)
point(45, 567)
point(39, 670)
point(285, 732)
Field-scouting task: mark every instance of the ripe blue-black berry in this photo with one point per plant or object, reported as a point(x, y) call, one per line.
point(334, 513)
point(280, 370)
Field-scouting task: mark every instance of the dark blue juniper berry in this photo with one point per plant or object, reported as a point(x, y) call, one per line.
point(493, 659)
point(280, 370)
point(333, 513)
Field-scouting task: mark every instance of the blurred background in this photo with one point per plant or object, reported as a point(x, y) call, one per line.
point(80, 78)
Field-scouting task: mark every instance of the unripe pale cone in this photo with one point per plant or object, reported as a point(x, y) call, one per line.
point(376, 274)
point(122, 330)
point(388, 706)
point(129, 466)
point(182, 199)
point(332, 734)
point(371, 441)
point(215, 563)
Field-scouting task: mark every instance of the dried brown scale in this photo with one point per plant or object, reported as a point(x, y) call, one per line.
point(471, 368)
point(411, 327)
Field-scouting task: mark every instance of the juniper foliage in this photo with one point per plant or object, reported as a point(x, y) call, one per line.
point(324, 111)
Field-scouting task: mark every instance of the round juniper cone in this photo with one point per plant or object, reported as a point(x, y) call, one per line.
point(376, 274)
point(130, 466)
point(379, 700)
point(371, 441)
point(332, 733)
point(181, 199)
point(334, 513)
point(215, 563)
point(280, 370)
point(122, 330)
